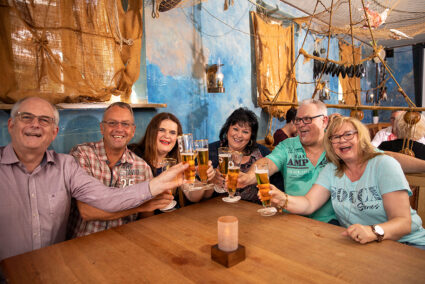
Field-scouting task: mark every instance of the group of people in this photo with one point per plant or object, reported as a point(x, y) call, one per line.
point(338, 176)
point(46, 196)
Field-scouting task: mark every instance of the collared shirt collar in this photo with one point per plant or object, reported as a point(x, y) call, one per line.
point(125, 158)
point(9, 156)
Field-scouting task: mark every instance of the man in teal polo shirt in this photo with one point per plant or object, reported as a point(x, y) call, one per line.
point(300, 159)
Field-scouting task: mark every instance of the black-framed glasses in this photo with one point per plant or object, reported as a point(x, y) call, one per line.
point(28, 118)
point(114, 124)
point(348, 135)
point(306, 119)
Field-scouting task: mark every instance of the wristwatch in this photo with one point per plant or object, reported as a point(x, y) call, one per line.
point(378, 231)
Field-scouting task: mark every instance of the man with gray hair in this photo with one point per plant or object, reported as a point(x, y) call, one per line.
point(110, 161)
point(37, 184)
point(300, 159)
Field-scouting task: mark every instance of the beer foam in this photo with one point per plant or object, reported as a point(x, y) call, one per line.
point(261, 171)
point(202, 149)
point(188, 153)
point(225, 155)
point(234, 168)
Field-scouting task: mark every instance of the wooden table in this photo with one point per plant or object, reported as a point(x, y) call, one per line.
point(175, 248)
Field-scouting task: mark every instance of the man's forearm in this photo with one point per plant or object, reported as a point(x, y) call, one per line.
point(410, 165)
point(90, 213)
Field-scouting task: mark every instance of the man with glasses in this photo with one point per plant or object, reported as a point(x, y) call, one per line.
point(300, 159)
point(37, 184)
point(110, 161)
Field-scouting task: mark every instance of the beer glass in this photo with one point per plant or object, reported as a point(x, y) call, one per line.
point(166, 164)
point(188, 156)
point(223, 163)
point(223, 160)
point(232, 176)
point(201, 147)
point(262, 175)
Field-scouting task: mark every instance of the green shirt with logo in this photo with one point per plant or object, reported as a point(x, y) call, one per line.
point(299, 173)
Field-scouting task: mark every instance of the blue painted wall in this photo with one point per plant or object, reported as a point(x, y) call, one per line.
point(179, 44)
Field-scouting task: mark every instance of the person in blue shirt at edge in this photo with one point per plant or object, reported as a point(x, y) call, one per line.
point(368, 190)
point(300, 159)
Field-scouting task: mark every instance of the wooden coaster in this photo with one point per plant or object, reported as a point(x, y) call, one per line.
point(228, 259)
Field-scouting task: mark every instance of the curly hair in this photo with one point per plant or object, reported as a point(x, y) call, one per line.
point(241, 116)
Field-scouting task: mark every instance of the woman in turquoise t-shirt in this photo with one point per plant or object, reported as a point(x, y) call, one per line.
point(368, 189)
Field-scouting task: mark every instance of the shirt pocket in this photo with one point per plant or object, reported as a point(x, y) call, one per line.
point(59, 203)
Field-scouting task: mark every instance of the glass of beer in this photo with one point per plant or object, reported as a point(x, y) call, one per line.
point(262, 175)
point(223, 160)
point(234, 166)
point(188, 156)
point(201, 147)
point(166, 164)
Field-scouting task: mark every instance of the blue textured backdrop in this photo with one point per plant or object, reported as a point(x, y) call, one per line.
point(178, 45)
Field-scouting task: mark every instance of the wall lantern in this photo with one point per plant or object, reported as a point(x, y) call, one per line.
point(215, 79)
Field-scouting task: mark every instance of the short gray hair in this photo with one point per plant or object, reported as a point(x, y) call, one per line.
point(17, 105)
point(121, 105)
point(319, 105)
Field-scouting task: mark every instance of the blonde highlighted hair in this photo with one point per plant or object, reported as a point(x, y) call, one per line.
point(366, 149)
point(402, 129)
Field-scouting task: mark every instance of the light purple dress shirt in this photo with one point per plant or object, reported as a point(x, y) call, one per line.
point(34, 207)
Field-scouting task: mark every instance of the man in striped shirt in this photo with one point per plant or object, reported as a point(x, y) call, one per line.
point(110, 161)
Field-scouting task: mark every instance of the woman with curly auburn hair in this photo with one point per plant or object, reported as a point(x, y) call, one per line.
point(368, 190)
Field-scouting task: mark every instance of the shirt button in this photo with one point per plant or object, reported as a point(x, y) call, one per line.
point(32, 195)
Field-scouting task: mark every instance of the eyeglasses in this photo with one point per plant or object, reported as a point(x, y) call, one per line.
point(306, 120)
point(28, 118)
point(114, 124)
point(348, 135)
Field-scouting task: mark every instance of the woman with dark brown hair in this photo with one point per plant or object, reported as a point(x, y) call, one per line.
point(159, 141)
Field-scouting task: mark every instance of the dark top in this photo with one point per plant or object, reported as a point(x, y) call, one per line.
point(248, 193)
point(279, 136)
point(397, 145)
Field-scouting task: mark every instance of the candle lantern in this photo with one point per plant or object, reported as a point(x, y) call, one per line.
point(228, 251)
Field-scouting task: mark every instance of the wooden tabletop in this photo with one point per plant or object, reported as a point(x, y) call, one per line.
point(175, 248)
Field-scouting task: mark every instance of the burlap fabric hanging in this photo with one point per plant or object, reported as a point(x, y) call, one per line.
point(69, 51)
point(274, 55)
point(350, 86)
